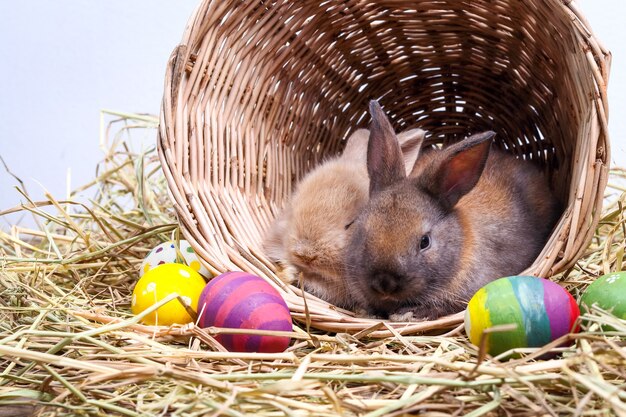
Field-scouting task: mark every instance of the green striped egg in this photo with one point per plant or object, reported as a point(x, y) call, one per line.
point(541, 310)
point(607, 292)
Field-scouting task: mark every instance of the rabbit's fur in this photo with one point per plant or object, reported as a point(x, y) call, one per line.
point(466, 215)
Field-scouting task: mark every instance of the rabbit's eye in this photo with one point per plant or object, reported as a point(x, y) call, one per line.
point(425, 242)
point(347, 226)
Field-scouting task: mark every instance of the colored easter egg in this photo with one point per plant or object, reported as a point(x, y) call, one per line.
point(158, 283)
point(238, 300)
point(168, 252)
point(541, 309)
point(607, 292)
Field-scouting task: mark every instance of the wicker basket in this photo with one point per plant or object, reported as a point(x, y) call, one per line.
point(259, 92)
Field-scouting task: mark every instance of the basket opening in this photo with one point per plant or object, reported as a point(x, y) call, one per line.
point(466, 72)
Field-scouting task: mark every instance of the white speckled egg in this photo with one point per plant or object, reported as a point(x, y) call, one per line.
point(167, 252)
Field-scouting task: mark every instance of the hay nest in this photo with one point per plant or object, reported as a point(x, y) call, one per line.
point(69, 345)
point(257, 93)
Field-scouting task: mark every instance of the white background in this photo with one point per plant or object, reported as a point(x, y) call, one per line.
point(63, 61)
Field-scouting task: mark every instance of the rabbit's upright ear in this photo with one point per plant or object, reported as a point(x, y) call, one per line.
point(385, 164)
point(411, 145)
point(356, 146)
point(458, 169)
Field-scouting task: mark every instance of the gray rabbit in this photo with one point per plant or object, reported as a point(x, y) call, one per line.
point(426, 242)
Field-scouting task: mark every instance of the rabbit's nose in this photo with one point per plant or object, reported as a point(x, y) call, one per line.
point(385, 283)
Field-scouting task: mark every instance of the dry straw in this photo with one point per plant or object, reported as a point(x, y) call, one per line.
point(259, 92)
point(69, 345)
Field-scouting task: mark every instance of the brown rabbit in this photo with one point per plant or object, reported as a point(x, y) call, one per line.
point(466, 215)
point(309, 236)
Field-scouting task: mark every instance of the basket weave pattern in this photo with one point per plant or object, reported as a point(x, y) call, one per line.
point(259, 92)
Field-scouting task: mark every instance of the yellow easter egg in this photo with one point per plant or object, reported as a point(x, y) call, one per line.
point(158, 283)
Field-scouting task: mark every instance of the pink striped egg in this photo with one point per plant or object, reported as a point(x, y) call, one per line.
point(239, 300)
